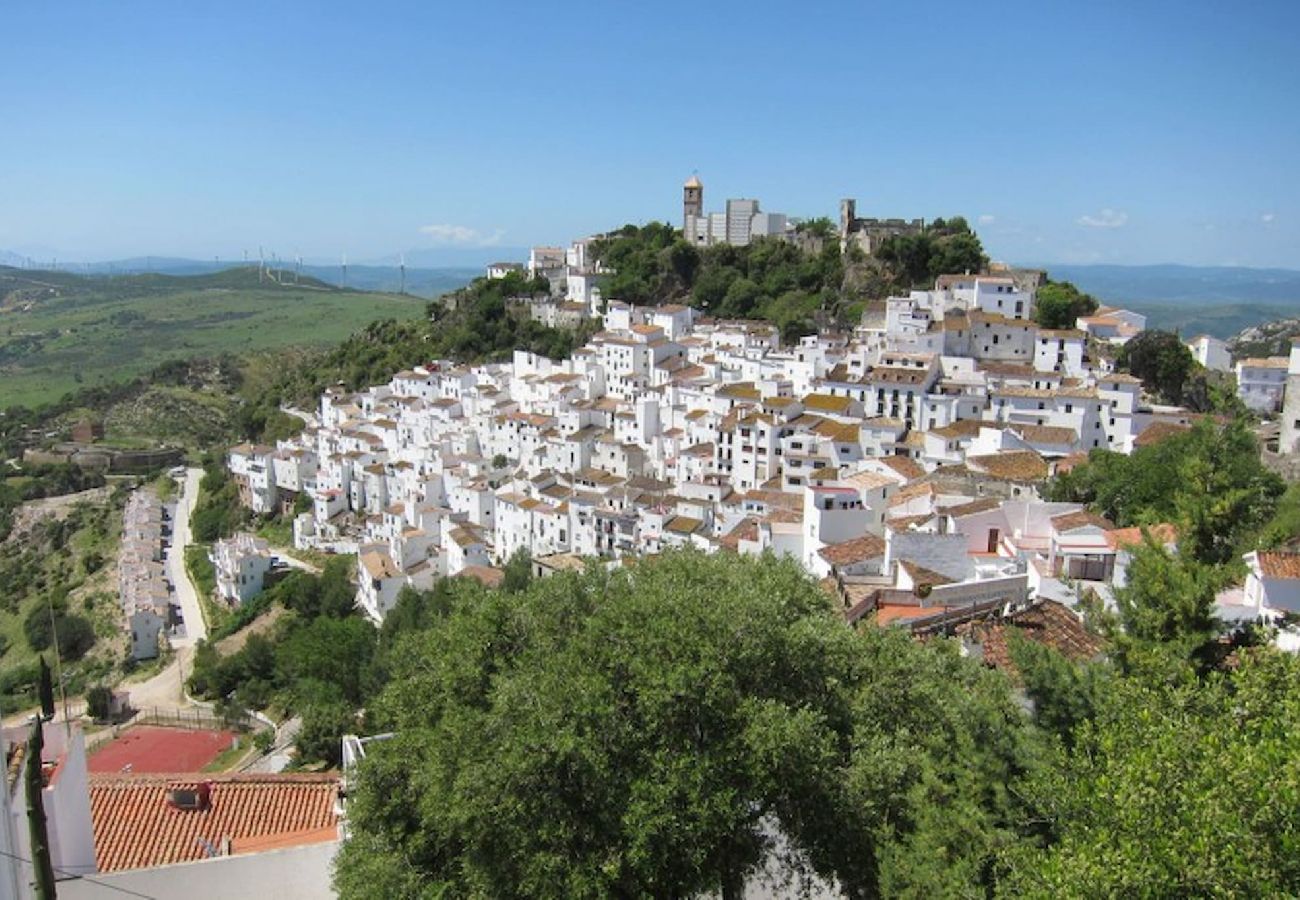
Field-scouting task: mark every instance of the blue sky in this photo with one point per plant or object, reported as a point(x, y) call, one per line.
point(1124, 132)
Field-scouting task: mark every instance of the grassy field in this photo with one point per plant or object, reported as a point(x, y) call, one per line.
point(59, 331)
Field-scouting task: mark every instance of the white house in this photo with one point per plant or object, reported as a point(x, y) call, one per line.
point(1273, 582)
point(1211, 352)
point(241, 564)
point(1261, 382)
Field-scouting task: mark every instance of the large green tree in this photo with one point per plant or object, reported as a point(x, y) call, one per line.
point(651, 732)
point(1209, 481)
point(1185, 789)
point(1161, 360)
point(1059, 304)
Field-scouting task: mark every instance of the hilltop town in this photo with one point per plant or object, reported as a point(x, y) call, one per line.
point(902, 461)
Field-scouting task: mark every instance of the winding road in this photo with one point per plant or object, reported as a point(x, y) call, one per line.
point(195, 628)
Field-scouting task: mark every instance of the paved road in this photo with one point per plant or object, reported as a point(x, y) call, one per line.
point(186, 596)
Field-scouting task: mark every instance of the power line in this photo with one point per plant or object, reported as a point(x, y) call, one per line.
point(85, 878)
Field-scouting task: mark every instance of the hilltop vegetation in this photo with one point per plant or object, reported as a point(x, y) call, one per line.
point(60, 331)
point(795, 285)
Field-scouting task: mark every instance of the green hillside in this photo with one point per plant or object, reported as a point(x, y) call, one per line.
point(60, 331)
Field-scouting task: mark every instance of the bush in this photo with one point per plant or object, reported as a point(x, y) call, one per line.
point(264, 741)
point(99, 703)
point(76, 634)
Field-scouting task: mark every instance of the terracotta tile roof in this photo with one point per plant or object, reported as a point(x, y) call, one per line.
point(921, 575)
point(1130, 537)
point(1157, 432)
point(826, 402)
point(1017, 465)
point(859, 549)
point(908, 468)
point(136, 827)
point(1080, 519)
point(1279, 565)
point(486, 575)
point(1068, 462)
point(1046, 622)
point(1046, 434)
point(746, 530)
point(983, 504)
point(962, 428)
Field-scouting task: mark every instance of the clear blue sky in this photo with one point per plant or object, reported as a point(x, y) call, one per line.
point(1129, 132)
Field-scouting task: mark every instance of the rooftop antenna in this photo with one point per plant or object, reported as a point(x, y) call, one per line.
point(401, 261)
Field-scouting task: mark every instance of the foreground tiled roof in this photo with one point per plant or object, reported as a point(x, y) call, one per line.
point(1279, 565)
point(1046, 622)
point(136, 827)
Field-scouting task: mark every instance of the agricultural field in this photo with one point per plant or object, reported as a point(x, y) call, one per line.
point(60, 331)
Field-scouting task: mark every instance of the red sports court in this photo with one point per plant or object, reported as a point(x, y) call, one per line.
point(152, 748)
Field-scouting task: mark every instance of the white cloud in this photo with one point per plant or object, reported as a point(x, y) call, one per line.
point(986, 219)
point(1267, 218)
point(461, 235)
point(1107, 218)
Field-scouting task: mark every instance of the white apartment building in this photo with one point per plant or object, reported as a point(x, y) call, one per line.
point(241, 562)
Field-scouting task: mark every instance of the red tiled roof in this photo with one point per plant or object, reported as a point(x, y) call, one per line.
point(858, 549)
point(1047, 622)
point(1157, 432)
point(1014, 465)
point(136, 827)
point(1080, 519)
point(1164, 534)
point(1279, 565)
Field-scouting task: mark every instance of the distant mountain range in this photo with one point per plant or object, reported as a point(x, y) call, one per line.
point(1217, 300)
point(421, 280)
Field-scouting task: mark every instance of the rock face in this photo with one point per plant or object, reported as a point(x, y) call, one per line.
point(1269, 339)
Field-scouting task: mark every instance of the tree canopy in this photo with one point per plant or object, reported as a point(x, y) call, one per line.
point(1161, 360)
point(657, 731)
point(1208, 481)
point(1185, 789)
point(1059, 305)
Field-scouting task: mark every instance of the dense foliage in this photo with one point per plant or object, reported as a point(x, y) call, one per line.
point(1208, 481)
point(1174, 789)
point(314, 661)
point(1161, 360)
point(654, 731)
point(217, 512)
point(1059, 305)
point(943, 247)
point(795, 285)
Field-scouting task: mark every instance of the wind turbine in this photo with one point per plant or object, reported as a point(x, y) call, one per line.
point(401, 261)
point(345, 270)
